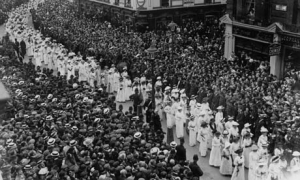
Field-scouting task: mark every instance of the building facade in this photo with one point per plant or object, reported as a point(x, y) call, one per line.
point(267, 30)
point(155, 14)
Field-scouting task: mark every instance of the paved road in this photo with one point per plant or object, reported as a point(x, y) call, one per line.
point(210, 173)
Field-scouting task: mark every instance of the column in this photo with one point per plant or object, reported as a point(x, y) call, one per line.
point(229, 41)
point(275, 65)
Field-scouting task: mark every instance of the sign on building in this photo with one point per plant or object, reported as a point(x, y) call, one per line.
point(274, 49)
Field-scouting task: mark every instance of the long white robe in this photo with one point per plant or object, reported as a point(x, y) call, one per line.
point(70, 71)
point(128, 89)
point(82, 72)
point(253, 163)
point(92, 79)
point(202, 138)
point(170, 122)
point(226, 164)
point(110, 81)
point(261, 140)
point(239, 171)
point(215, 154)
point(180, 120)
point(274, 171)
point(246, 144)
point(259, 173)
point(192, 126)
point(218, 122)
point(121, 92)
point(116, 81)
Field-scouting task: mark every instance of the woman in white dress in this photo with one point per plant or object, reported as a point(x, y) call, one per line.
point(295, 162)
point(239, 171)
point(215, 154)
point(92, 78)
point(226, 163)
point(110, 81)
point(193, 104)
point(202, 138)
point(246, 144)
point(224, 139)
point(253, 161)
point(192, 126)
point(205, 107)
point(274, 171)
point(158, 104)
point(121, 91)
point(263, 138)
point(245, 130)
point(235, 145)
point(219, 119)
point(128, 88)
point(260, 171)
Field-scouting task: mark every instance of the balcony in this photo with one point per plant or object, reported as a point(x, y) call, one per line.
point(291, 27)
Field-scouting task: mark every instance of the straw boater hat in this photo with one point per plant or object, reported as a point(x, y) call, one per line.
point(296, 153)
point(225, 132)
point(275, 159)
point(173, 144)
point(235, 123)
point(247, 125)
point(263, 130)
point(220, 108)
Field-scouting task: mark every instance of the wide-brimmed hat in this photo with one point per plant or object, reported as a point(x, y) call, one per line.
point(173, 144)
point(275, 159)
point(263, 130)
point(220, 108)
point(254, 147)
point(137, 135)
point(247, 125)
point(225, 132)
point(296, 153)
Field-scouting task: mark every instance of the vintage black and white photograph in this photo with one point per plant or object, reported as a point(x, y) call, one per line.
point(149, 89)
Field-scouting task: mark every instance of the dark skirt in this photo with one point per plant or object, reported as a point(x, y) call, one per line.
point(170, 135)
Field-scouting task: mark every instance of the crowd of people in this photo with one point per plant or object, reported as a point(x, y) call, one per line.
point(241, 115)
point(6, 6)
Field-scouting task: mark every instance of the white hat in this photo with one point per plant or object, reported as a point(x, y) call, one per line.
point(296, 153)
point(182, 91)
point(137, 135)
point(158, 78)
point(167, 88)
point(230, 118)
point(43, 171)
point(198, 105)
point(220, 108)
point(225, 132)
point(263, 130)
point(154, 150)
point(261, 162)
point(73, 142)
point(173, 144)
point(247, 125)
point(49, 118)
point(51, 141)
point(235, 123)
point(179, 108)
point(55, 153)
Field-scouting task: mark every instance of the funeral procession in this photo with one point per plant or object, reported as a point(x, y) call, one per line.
point(149, 89)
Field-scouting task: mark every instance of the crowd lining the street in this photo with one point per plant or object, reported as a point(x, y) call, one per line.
point(241, 115)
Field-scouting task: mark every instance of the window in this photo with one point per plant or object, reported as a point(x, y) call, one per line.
point(127, 3)
point(280, 7)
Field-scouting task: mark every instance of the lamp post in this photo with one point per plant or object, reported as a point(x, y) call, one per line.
point(151, 51)
point(172, 27)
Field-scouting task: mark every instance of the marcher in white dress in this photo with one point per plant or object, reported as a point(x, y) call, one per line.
point(219, 119)
point(239, 171)
point(274, 171)
point(260, 171)
point(253, 161)
point(92, 77)
point(235, 145)
point(121, 92)
point(263, 138)
point(245, 130)
point(247, 144)
point(180, 120)
point(70, 68)
point(215, 154)
point(226, 163)
point(202, 138)
point(224, 139)
point(192, 126)
point(110, 81)
point(192, 104)
point(295, 162)
point(159, 104)
point(128, 88)
point(82, 72)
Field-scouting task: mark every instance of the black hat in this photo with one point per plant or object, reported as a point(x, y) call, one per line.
point(195, 157)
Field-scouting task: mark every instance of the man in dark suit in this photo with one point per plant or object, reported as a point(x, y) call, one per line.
point(148, 107)
point(181, 151)
point(137, 99)
point(196, 170)
point(17, 47)
point(23, 48)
